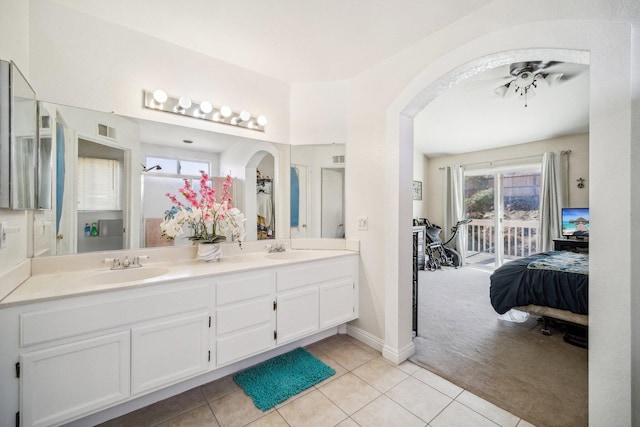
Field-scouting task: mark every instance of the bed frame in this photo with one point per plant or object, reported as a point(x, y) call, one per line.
point(547, 313)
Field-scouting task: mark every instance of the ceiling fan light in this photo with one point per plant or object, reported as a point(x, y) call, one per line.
point(501, 90)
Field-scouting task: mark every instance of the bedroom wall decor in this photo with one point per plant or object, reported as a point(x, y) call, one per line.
point(417, 190)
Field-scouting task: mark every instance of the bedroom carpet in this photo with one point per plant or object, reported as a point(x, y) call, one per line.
point(539, 378)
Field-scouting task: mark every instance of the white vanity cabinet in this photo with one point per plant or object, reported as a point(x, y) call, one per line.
point(316, 296)
point(73, 356)
point(79, 355)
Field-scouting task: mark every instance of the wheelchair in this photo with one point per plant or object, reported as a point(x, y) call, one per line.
point(437, 254)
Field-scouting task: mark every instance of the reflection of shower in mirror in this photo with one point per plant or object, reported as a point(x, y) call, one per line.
point(146, 169)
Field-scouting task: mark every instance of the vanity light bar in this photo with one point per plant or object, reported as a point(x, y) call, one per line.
point(204, 110)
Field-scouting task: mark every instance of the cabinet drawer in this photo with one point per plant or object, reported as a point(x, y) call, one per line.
point(241, 316)
point(309, 274)
point(85, 317)
point(245, 287)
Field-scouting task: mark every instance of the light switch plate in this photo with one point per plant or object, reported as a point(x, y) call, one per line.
point(363, 223)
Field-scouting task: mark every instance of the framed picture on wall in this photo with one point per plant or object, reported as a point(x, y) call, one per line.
point(417, 190)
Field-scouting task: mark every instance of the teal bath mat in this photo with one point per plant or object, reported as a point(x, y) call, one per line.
point(277, 379)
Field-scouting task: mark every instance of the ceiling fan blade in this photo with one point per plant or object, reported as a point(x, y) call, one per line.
point(473, 84)
point(553, 78)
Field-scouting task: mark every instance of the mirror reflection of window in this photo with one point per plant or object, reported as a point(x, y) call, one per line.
point(99, 183)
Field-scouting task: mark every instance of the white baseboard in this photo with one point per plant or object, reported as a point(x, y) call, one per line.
point(398, 356)
point(365, 337)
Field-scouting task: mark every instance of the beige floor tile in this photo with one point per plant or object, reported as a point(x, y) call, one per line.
point(294, 397)
point(330, 343)
point(408, 367)
point(235, 409)
point(272, 419)
point(350, 356)
point(385, 412)
point(312, 410)
point(380, 374)
point(437, 382)
point(524, 423)
point(349, 392)
point(420, 399)
point(340, 370)
point(172, 407)
point(219, 388)
point(488, 409)
point(458, 415)
point(347, 423)
point(199, 417)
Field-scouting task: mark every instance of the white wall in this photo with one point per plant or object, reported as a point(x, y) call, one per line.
point(319, 113)
point(420, 164)
point(578, 167)
point(14, 33)
point(79, 60)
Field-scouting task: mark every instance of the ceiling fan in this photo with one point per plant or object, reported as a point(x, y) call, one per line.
point(525, 78)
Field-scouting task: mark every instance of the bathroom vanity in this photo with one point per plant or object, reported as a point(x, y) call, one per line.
point(78, 341)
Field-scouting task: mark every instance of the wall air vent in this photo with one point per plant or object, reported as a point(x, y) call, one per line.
point(45, 122)
point(106, 131)
point(337, 160)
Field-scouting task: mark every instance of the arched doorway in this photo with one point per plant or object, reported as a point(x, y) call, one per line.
point(610, 126)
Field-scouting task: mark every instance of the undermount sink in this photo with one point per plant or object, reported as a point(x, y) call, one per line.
point(126, 275)
point(288, 255)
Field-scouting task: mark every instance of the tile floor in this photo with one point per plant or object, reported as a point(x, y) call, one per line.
point(365, 391)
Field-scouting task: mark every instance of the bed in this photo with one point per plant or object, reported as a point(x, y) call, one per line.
point(549, 284)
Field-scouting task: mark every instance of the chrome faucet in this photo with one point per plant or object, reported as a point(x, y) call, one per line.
point(278, 247)
point(116, 264)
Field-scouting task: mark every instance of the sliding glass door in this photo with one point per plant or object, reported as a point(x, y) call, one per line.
point(503, 204)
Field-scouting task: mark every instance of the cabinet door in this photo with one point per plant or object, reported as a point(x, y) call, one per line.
point(297, 314)
point(337, 303)
point(166, 352)
point(62, 382)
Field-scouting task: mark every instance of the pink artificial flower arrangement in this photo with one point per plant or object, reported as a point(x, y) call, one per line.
point(211, 219)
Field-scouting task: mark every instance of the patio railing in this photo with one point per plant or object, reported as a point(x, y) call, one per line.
point(520, 237)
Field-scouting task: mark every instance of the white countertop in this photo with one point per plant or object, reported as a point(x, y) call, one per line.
point(70, 279)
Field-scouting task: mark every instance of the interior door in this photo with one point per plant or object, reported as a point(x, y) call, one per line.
point(332, 203)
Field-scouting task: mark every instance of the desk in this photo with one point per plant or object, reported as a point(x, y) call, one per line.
point(572, 245)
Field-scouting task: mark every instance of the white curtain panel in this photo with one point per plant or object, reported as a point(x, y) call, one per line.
point(454, 207)
point(552, 189)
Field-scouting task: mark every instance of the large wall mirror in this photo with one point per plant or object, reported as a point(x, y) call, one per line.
point(110, 175)
point(18, 143)
point(317, 191)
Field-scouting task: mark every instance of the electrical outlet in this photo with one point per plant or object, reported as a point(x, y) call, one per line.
point(363, 223)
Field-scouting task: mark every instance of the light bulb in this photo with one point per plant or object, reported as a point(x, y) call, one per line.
point(184, 103)
point(160, 96)
point(261, 121)
point(206, 107)
point(244, 116)
point(225, 111)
